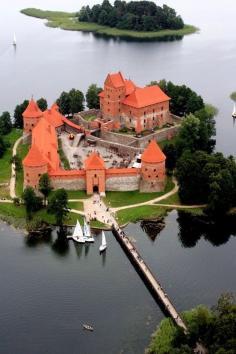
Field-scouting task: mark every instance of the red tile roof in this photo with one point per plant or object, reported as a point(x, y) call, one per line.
point(153, 153)
point(143, 97)
point(94, 162)
point(34, 158)
point(32, 110)
point(116, 79)
point(53, 117)
point(129, 86)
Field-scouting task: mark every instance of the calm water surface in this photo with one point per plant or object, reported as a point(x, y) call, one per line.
point(47, 291)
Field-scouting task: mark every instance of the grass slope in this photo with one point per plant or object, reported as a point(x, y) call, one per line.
point(5, 166)
point(117, 199)
point(68, 21)
point(16, 215)
point(145, 212)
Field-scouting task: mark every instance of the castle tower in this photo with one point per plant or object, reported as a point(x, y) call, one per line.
point(110, 99)
point(34, 166)
point(31, 116)
point(95, 174)
point(152, 169)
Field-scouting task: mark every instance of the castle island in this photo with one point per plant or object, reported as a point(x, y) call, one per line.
point(101, 157)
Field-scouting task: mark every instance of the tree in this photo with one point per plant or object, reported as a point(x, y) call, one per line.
point(31, 200)
point(233, 96)
point(189, 135)
point(19, 110)
point(183, 100)
point(42, 103)
point(76, 101)
point(45, 186)
point(92, 97)
point(5, 123)
point(220, 194)
point(64, 103)
point(171, 156)
point(58, 206)
point(2, 146)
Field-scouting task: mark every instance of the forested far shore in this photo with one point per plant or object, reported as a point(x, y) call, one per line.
point(133, 15)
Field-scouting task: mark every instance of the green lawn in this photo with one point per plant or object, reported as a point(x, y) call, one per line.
point(76, 205)
point(21, 152)
point(16, 215)
point(99, 225)
point(68, 21)
point(173, 199)
point(140, 213)
point(5, 166)
point(75, 194)
point(117, 199)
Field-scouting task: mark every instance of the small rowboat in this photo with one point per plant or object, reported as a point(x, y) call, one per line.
point(88, 327)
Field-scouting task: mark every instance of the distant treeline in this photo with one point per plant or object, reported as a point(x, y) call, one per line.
point(134, 15)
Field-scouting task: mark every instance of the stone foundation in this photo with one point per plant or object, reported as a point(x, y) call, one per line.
point(68, 184)
point(123, 184)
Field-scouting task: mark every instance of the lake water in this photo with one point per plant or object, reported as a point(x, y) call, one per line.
point(48, 290)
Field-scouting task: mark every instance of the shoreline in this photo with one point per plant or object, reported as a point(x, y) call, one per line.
point(68, 21)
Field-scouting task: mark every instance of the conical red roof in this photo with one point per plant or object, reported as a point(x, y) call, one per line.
point(153, 153)
point(94, 162)
point(32, 110)
point(34, 158)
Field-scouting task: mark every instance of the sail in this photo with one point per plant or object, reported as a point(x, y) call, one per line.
point(234, 110)
point(14, 39)
point(104, 242)
point(78, 230)
point(87, 232)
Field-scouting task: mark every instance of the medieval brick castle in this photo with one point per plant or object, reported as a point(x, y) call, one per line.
point(122, 104)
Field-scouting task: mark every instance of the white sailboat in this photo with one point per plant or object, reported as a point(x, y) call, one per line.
point(104, 243)
point(234, 111)
point(14, 40)
point(78, 235)
point(87, 233)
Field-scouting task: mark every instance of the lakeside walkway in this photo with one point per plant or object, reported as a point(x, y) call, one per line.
point(12, 184)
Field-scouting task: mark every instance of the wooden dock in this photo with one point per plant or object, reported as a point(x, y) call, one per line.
point(151, 280)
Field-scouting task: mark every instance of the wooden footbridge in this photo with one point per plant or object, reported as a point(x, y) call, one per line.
point(154, 285)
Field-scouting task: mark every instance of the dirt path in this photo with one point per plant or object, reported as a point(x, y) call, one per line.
point(12, 184)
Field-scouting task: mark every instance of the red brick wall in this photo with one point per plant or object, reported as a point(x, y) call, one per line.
point(32, 175)
point(153, 172)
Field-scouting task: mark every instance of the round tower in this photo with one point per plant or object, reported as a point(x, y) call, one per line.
point(152, 169)
point(31, 116)
point(34, 166)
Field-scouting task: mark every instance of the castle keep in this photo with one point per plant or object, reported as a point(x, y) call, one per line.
point(122, 103)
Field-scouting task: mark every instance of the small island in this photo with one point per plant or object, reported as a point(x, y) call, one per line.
point(140, 20)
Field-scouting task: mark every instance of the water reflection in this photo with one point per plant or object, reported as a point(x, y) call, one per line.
point(167, 38)
point(193, 228)
point(153, 227)
point(61, 245)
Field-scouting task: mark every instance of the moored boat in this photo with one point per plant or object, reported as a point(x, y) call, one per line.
point(78, 235)
point(234, 111)
point(87, 232)
point(104, 243)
